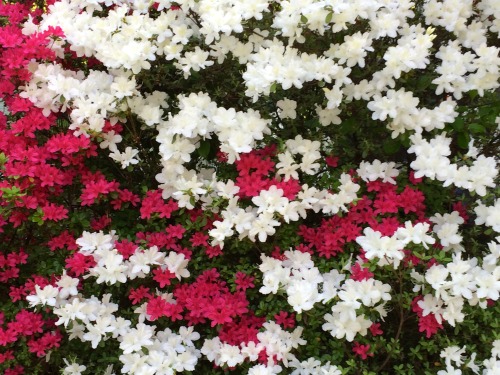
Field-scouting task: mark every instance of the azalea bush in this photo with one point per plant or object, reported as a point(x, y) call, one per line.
point(249, 187)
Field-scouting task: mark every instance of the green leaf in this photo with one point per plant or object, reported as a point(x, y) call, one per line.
point(204, 148)
point(424, 82)
point(477, 128)
point(463, 140)
point(203, 221)
point(391, 146)
point(303, 19)
point(458, 125)
point(348, 125)
point(329, 17)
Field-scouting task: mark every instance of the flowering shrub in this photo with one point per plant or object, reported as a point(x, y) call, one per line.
point(296, 187)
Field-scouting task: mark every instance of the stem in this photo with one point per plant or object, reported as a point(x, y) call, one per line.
point(402, 319)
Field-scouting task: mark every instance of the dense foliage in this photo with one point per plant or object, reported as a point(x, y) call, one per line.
point(261, 187)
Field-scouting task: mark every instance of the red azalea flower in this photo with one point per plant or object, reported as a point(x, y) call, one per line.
point(375, 329)
point(285, 319)
point(359, 273)
point(156, 308)
point(126, 248)
point(243, 281)
point(138, 294)
point(429, 324)
point(332, 161)
point(7, 336)
point(361, 350)
point(6, 356)
point(213, 251)
point(175, 231)
point(163, 277)
point(18, 370)
point(78, 263)
point(199, 239)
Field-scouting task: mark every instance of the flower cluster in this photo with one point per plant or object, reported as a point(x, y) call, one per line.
point(209, 187)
